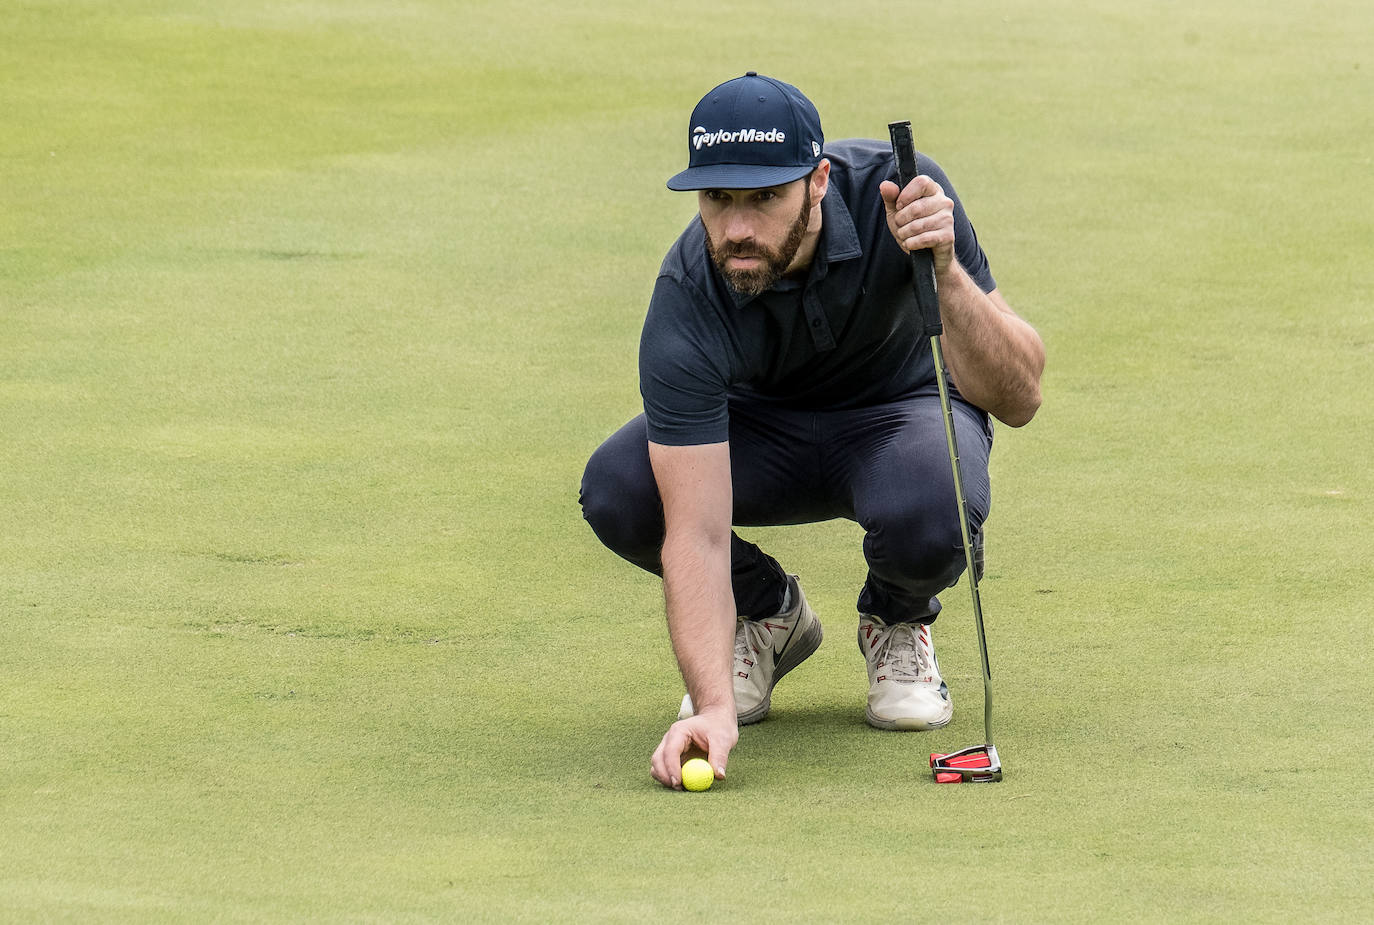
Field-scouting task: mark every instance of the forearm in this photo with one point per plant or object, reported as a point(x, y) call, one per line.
point(994, 357)
point(700, 607)
point(694, 484)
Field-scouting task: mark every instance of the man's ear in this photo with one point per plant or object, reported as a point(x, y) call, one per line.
point(820, 180)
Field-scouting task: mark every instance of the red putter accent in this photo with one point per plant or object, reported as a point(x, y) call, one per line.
point(948, 777)
point(968, 761)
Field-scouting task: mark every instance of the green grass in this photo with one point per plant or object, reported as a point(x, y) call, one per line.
point(311, 313)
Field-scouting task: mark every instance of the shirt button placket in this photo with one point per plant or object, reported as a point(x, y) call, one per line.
point(821, 334)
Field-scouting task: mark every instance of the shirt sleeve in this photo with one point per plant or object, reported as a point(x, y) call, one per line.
point(683, 370)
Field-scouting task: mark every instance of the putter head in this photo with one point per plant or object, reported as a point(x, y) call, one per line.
point(977, 764)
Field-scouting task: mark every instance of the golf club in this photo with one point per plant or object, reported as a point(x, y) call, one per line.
point(979, 763)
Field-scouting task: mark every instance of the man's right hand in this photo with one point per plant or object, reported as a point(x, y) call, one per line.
point(712, 732)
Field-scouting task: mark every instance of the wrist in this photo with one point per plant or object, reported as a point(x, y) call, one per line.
point(716, 708)
point(951, 274)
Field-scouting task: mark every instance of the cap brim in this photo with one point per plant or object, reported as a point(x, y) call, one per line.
point(736, 176)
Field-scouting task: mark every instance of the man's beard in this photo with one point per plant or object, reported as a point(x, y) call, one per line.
point(775, 262)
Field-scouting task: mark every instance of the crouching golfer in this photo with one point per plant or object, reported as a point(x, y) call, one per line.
point(786, 380)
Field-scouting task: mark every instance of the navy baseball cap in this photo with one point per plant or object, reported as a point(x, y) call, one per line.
point(749, 133)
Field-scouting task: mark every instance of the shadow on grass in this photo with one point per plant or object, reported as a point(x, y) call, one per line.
point(814, 741)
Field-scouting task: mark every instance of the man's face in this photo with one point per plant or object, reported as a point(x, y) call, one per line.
point(753, 235)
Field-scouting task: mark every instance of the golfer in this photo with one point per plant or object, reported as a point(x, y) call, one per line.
point(786, 380)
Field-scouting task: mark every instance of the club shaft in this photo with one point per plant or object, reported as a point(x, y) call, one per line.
point(964, 532)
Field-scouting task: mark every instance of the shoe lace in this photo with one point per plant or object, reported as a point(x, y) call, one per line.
point(751, 639)
point(901, 653)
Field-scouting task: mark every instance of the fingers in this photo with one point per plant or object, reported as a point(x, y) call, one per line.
point(718, 757)
point(703, 735)
point(919, 216)
point(922, 187)
point(666, 765)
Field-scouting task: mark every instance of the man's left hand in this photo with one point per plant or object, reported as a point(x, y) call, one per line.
point(921, 217)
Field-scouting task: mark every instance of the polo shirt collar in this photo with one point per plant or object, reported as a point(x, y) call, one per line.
point(839, 240)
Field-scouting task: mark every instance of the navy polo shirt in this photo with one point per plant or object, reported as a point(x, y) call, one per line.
point(847, 336)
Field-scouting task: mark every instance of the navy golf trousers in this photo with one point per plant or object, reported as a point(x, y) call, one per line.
point(886, 467)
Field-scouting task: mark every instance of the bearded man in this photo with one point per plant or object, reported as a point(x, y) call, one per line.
point(786, 380)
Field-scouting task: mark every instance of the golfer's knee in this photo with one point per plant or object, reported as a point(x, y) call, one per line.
point(620, 503)
point(925, 550)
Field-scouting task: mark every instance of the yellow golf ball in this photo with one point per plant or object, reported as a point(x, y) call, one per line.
point(697, 774)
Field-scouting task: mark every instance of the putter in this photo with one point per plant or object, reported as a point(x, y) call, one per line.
point(978, 763)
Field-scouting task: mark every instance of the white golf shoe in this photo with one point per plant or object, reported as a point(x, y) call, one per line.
point(905, 690)
point(765, 650)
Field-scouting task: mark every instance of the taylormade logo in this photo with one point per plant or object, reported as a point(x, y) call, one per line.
point(704, 139)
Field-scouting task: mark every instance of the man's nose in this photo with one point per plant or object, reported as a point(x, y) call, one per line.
point(739, 226)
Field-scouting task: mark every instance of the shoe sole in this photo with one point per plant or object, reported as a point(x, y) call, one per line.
point(798, 649)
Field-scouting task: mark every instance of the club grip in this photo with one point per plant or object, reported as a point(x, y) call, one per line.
point(922, 262)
